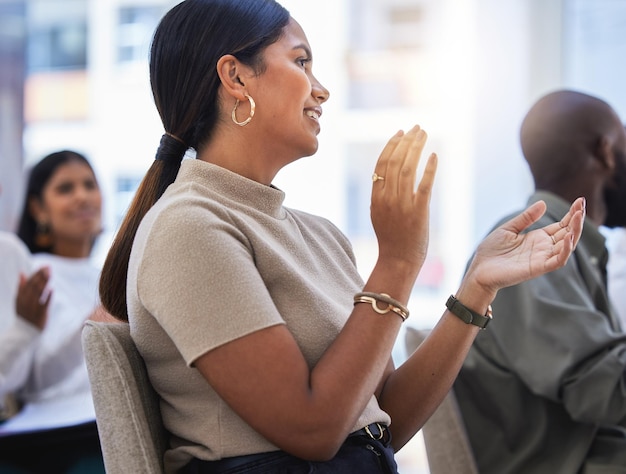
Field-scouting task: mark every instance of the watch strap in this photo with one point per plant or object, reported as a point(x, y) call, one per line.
point(467, 315)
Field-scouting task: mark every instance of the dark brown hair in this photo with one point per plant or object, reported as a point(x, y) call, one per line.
point(186, 46)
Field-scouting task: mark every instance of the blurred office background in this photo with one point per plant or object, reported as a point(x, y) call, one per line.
point(73, 74)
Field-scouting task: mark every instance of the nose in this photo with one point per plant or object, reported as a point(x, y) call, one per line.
point(86, 193)
point(81, 193)
point(319, 91)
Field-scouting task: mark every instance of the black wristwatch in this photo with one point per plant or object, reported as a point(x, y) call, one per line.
point(467, 315)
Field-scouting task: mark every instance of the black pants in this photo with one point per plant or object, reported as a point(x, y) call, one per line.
point(71, 450)
point(358, 455)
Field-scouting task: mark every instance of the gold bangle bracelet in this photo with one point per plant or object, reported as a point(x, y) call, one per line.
point(375, 298)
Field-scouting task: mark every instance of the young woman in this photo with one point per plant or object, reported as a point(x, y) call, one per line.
point(55, 430)
point(269, 352)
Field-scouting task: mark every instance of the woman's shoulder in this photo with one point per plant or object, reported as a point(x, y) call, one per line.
point(183, 208)
point(14, 253)
point(322, 227)
point(314, 220)
point(9, 242)
point(179, 221)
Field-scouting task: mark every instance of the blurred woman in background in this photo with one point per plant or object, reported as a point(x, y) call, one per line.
point(55, 430)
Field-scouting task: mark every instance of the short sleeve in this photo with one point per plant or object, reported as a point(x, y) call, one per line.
point(198, 278)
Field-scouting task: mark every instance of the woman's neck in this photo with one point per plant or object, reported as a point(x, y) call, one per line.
point(72, 249)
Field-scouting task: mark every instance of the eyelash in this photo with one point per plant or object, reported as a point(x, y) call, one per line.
point(303, 61)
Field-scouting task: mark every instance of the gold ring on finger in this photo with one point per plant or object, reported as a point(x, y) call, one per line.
point(376, 177)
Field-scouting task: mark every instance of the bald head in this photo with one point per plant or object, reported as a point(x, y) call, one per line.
point(561, 134)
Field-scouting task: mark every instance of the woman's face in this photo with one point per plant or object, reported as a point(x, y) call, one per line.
point(288, 97)
point(71, 205)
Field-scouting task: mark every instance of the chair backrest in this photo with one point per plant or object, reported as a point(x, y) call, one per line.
point(129, 421)
point(447, 445)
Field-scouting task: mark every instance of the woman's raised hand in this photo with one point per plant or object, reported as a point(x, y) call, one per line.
point(400, 210)
point(507, 256)
point(32, 300)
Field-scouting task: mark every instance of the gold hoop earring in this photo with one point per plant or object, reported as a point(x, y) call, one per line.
point(43, 236)
point(246, 121)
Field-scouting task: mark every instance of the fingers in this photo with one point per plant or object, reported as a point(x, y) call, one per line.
point(402, 169)
point(544, 249)
point(33, 297)
point(574, 219)
point(530, 215)
point(385, 156)
point(399, 160)
point(561, 252)
point(36, 284)
point(570, 226)
point(45, 298)
point(425, 186)
point(400, 209)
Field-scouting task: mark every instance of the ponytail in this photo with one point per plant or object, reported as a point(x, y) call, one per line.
point(160, 175)
point(185, 48)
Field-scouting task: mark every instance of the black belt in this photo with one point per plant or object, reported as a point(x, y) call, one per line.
point(375, 431)
point(197, 466)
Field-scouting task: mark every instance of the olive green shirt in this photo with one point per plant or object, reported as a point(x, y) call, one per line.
point(543, 388)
